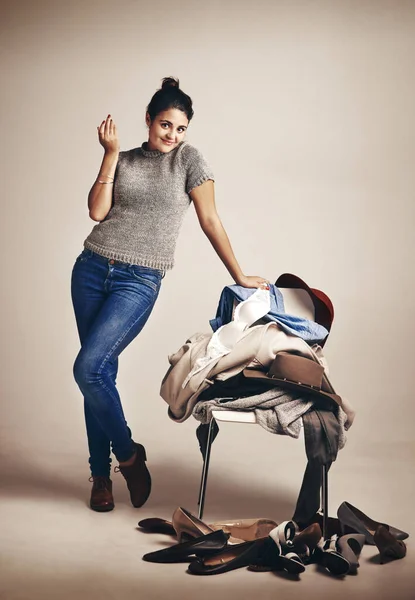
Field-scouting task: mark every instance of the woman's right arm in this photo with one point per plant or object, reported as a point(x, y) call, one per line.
point(100, 195)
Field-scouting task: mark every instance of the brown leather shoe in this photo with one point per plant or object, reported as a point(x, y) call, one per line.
point(137, 477)
point(101, 494)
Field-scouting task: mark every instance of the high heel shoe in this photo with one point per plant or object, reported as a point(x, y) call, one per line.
point(243, 530)
point(350, 547)
point(355, 519)
point(326, 555)
point(246, 529)
point(333, 525)
point(283, 537)
point(186, 524)
point(277, 552)
point(388, 545)
point(306, 540)
point(204, 545)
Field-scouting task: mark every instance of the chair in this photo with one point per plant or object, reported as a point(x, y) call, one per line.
point(297, 301)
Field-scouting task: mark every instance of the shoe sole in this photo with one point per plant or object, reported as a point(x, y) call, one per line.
point(107, 508)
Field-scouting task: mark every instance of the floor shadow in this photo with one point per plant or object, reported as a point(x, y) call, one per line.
point(225, 497)
point(31, 479)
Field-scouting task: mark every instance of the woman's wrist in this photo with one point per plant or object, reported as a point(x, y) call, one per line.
point(239, 279)
point(112, 153)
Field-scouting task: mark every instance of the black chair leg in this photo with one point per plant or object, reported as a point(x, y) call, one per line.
point(205, 470)
point(324, 498)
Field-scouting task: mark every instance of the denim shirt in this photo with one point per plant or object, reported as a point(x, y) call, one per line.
point(309, 331)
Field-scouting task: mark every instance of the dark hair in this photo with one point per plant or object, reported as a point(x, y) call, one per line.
point(170, 96)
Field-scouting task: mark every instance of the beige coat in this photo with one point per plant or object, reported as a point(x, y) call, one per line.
point(256, 348)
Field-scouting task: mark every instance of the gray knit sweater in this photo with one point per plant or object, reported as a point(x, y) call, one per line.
point(150, 199)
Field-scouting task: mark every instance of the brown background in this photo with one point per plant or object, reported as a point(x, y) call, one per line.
point(305, 112)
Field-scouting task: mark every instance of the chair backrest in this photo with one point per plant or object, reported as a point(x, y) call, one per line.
point(298, 302)
point(323, 306)
point(303, 301)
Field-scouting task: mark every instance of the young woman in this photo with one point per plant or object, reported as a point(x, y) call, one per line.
point(139, 199)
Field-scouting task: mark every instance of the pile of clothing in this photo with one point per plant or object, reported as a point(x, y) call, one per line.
point(264, 545)
point(269, 360)
point(263, 359)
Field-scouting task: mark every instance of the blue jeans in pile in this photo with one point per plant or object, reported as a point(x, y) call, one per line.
point(112, 301)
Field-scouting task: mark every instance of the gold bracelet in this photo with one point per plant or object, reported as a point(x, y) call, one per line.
point(99, 181)
point(108, 176)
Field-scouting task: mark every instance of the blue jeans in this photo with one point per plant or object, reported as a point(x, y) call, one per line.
point(112, 301)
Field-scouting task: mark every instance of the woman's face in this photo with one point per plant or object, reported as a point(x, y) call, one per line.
point(167, 130)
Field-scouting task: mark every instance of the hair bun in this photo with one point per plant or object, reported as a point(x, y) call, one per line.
point(169, 96)
point(170, 82)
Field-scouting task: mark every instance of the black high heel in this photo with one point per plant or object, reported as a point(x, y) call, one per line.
point(388, 546)
point(355, 519)
point(205, 545)
point(279, 553)
point(326, 555)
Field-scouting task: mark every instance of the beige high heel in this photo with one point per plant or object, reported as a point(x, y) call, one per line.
point(187, 525)
point(246, 529)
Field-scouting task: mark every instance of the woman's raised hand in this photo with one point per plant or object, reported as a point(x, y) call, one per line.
point(108, 135)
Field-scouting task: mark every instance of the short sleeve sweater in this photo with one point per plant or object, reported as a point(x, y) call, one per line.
point(150, 198)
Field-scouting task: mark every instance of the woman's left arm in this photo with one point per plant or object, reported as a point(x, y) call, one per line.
point(203, 197)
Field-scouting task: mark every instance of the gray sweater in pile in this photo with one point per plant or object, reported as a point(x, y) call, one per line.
point(150, 199)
